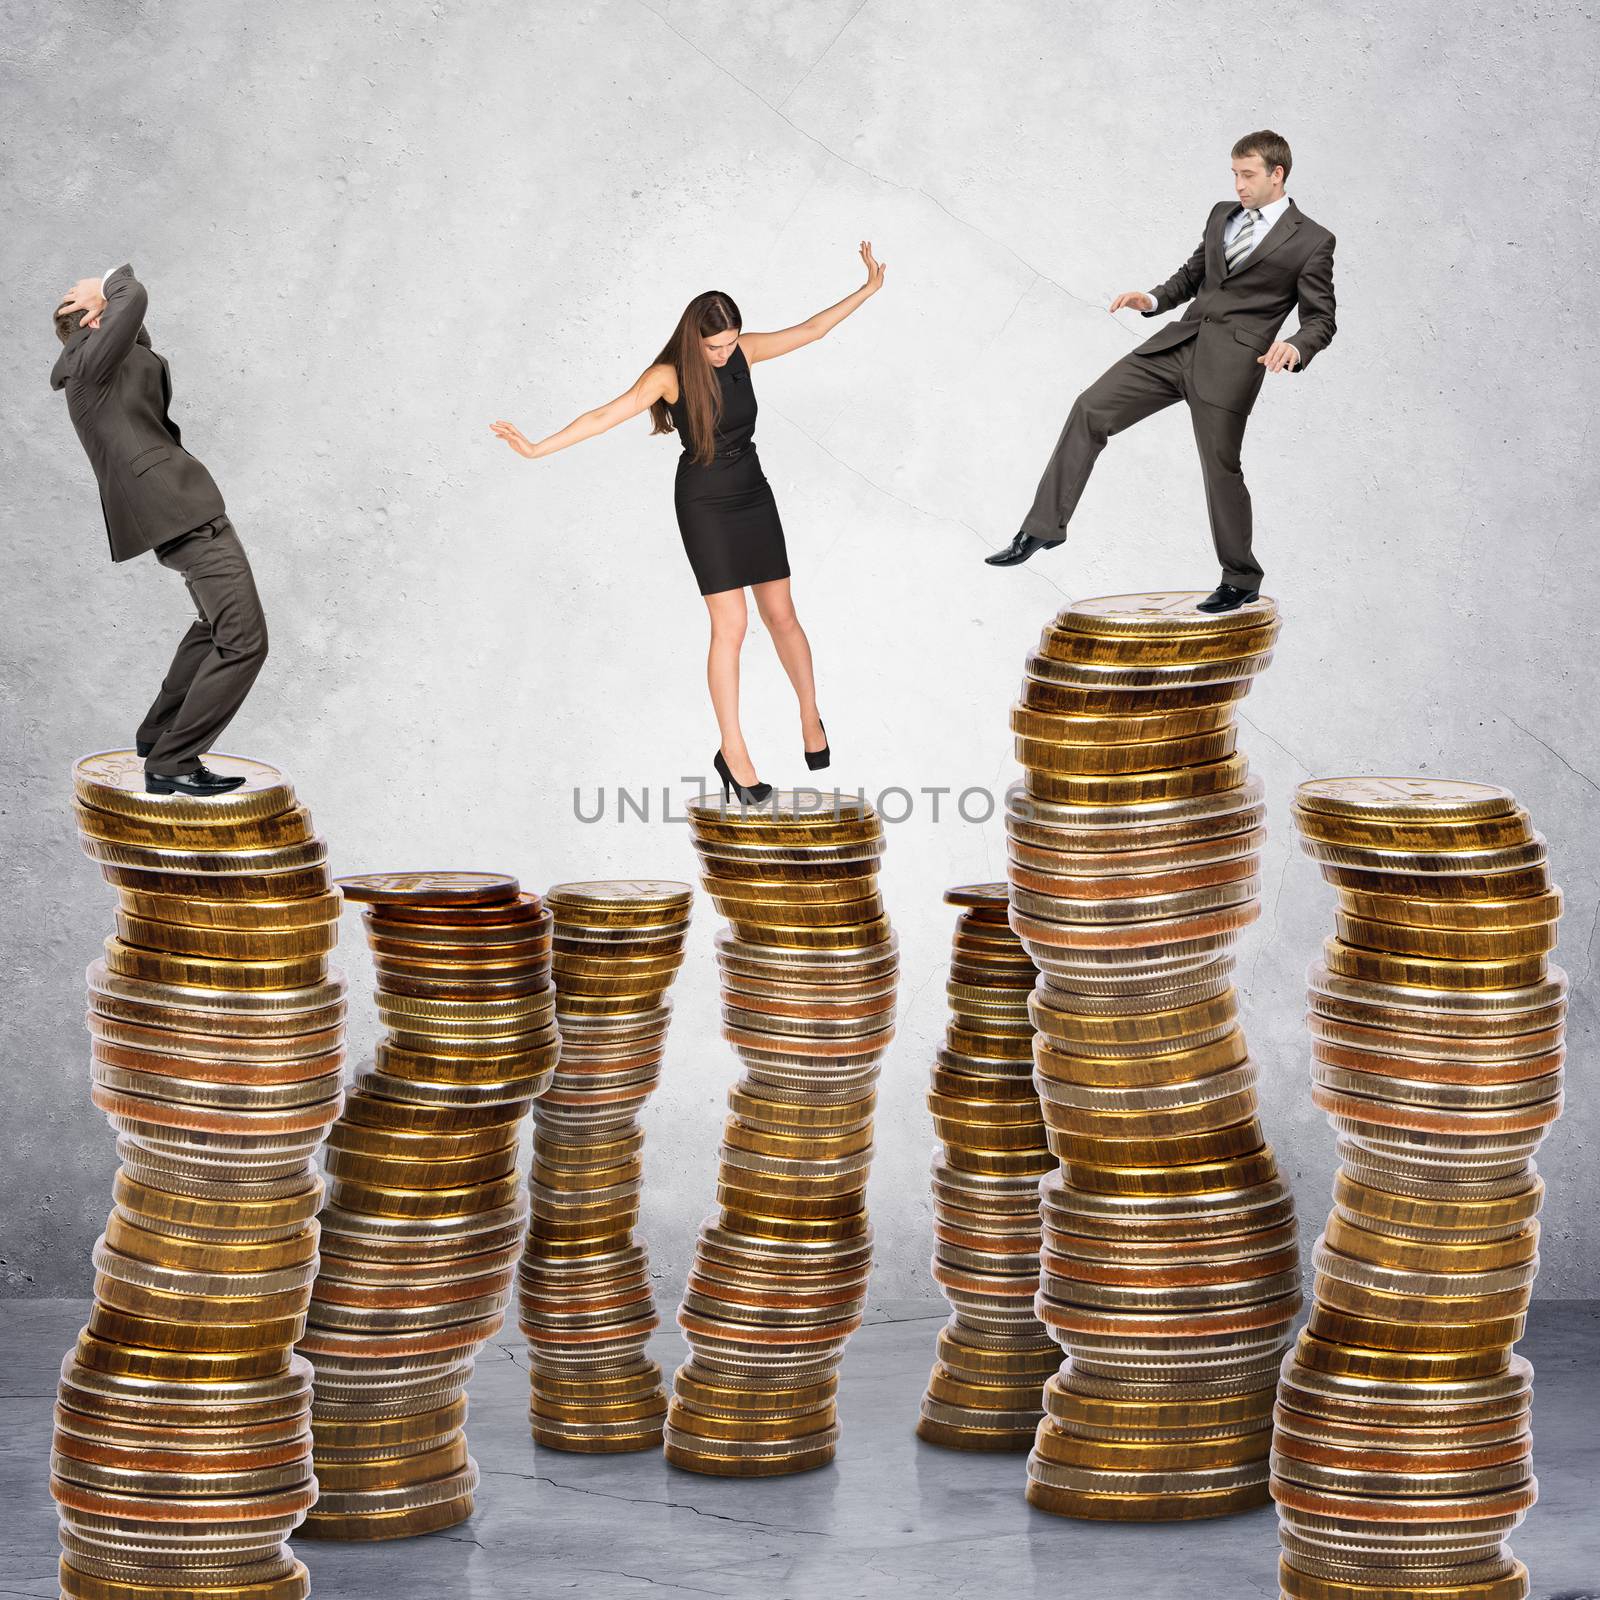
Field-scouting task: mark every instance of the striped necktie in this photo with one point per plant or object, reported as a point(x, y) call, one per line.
point(1242, 240)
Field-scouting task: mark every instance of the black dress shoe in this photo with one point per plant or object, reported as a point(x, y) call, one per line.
point(143, 747)
point(816, 760)
point(1226, 598)
point(1019, 550)
point(202, 783)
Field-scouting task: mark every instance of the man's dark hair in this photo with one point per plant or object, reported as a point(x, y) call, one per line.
point(66, 323)
point(1272, 147)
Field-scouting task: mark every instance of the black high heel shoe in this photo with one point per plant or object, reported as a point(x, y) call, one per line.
point(817, 759)
point(750, 794)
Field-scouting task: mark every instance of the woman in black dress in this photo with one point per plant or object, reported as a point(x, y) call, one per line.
point(699, 388)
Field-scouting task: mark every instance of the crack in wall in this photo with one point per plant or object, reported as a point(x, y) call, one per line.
point(645, 1500)
point(818, 62)
point(1576, 772)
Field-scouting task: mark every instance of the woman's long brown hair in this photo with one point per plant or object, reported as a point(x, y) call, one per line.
point(698, 390)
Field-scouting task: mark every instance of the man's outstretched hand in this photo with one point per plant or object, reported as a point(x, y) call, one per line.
point(1134, 300)
point(1280, 355)
point(85, 296)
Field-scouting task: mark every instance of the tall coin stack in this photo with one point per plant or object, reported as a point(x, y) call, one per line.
point(1402, 1452)
point(181, 1458)
point(809, 967)
point(588, 1304)
point(425, 1214)
point(994, 1354)
point(1170, 1266)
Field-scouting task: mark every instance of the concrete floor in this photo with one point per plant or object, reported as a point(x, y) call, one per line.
point(891, 1517)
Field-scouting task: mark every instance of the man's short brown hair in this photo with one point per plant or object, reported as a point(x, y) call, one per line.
point(1272, 147)
point(66, 323)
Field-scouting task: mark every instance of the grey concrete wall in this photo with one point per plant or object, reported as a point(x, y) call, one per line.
point(368, 231)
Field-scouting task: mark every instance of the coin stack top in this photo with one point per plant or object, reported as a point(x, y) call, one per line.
point(1169, 1266)
point(181, 1455)
point(1402, 1450)
point(426, 1213)
point(587, 1301)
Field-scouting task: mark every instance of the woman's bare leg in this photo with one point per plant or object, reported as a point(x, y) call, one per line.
point(776, 606)
point(728, 621)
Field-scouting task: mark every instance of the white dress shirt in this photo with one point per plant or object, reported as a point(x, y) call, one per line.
point(1269, 215)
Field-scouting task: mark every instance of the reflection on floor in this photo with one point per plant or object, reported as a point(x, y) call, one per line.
point(891, 1517)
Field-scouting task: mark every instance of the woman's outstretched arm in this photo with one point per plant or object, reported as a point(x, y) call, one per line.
point(764, 346)
point(652, 384)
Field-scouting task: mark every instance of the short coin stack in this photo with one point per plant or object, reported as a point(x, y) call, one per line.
point(809, 968)
point(425, 1214)
point(1401, 1452)
point(1170, 1263)
point(994, 1354)
point(181, 1458)
point(588, 1305)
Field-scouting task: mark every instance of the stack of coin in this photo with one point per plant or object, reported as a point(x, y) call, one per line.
point(994, 1354)
point(809, 967)
point(181, 1457)
point(588, 1308)
point(1169, 1267)
point(1402, 1453)
point(425, 1213)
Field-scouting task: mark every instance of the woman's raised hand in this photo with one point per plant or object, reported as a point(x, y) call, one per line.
point(513, 436)
point(875, 267)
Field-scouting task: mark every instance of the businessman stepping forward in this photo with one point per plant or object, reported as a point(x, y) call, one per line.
point(1258, 259)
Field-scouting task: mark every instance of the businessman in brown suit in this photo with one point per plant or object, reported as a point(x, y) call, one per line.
point(1257, 261)
point(154, 495)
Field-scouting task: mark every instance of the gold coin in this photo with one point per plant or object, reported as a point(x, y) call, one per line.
point(1420, 972)
point(231, 944)
point(1348, 1361)
point(1431, 834)
point(988, 897)
point(76, 1584)
point(1162, 614)
point(1437, 865)
point(114, 781)
point(194, 911)
point(431, 888)
point(1443, 799)
point(1475, 916)
point(1212, 777)
point(1089, 760)
point(406, 1523)
point(1139, 650)
point(1296, 1584)
point(170, 869)
point(1438, 1338)
point(1060, 727)
point(288, 827)
point(152, 966)
point(1445, 944)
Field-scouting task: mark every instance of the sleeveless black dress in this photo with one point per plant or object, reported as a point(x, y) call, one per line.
point(726, 513)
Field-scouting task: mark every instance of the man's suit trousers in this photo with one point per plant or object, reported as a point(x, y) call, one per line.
point(220, 655)
point(1124, 394)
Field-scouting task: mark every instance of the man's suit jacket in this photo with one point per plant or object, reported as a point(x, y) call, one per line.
point(118, 392)
point(1235, 317)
